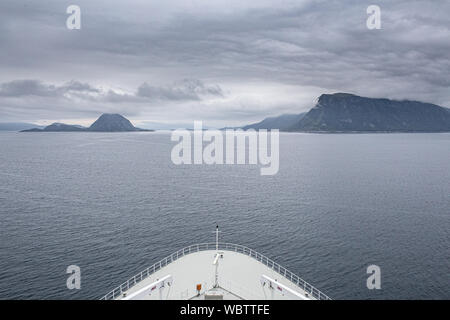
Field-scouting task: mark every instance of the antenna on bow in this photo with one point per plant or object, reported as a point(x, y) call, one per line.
point(216, 259)
point(217, 237)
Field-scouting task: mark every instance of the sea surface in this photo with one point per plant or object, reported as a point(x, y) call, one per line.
point(114, 204)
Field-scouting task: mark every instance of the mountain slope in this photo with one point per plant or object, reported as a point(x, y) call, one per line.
point(109, 122)
point(283, 122)
point(346, 112)
point(17, 126)
point(56, 127)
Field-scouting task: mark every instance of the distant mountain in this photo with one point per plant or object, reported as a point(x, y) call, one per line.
point(55, 127)
point(347, 112)
point(109, 122)
point(105, 123)
point(17, 126)
point(283, 122)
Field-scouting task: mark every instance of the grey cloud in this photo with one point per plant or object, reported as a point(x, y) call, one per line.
point(79, 87)
point(28, 87)
point(145, 45)
point(33, 100)
point(18, 88)
point(112, 96)
point(187, 89)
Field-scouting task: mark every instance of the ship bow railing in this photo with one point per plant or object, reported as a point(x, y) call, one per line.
point(299, 282)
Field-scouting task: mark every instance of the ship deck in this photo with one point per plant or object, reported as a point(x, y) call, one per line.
point(240, 275)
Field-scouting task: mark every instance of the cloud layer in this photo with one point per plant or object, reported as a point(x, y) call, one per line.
point(243, 60)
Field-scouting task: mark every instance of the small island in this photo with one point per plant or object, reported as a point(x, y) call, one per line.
point(107, 122)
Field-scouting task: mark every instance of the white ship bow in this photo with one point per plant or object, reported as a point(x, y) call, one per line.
point(215, 271)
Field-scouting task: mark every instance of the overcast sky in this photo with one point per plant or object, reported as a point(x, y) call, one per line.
point(226, 62)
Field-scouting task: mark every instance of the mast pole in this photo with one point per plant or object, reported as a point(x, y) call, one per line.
point(216, 259)
point(217, 237)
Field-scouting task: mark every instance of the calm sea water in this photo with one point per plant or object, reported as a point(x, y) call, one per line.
point(114, 204)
